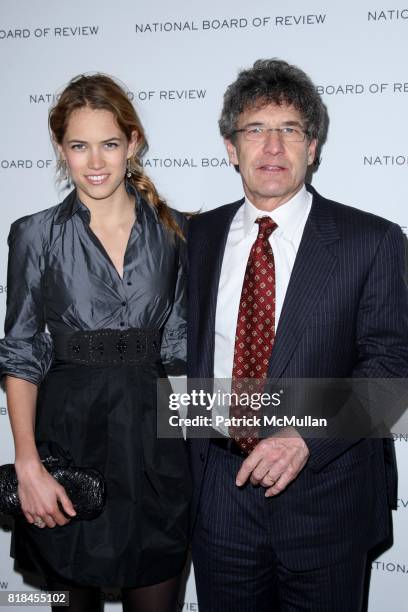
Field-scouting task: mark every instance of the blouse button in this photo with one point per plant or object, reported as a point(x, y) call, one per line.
point(123, 303)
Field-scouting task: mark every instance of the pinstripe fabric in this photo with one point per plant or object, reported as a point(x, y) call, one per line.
point(236, 567)
point(230, 547)
point(345, 314)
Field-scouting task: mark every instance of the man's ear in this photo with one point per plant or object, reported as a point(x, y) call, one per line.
point(232, 152)
point(311, 151)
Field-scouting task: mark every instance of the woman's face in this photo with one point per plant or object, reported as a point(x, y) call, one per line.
point(96, 150)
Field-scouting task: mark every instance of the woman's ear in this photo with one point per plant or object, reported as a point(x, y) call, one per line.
point(59, 148)
point(132, 143)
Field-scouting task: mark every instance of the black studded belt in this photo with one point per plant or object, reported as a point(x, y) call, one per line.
point(108, 346)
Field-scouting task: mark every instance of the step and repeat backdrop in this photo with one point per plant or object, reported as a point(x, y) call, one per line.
point(176, 60)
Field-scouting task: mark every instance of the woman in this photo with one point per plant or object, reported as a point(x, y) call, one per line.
point(107, 264)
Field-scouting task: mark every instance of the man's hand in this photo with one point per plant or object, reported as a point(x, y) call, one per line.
point(275, 462)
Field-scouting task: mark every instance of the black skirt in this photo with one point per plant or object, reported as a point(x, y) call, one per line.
point(105, 418)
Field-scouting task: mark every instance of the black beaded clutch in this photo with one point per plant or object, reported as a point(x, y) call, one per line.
point(85, 487)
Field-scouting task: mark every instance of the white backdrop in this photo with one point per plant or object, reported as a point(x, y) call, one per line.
point(177, 59)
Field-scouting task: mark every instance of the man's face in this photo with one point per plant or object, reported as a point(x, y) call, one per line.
point(272, 170)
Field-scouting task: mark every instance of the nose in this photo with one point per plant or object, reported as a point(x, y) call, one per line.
point(273, 142)
point(96, 159)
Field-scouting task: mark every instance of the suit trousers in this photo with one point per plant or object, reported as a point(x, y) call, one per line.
point(235, 565)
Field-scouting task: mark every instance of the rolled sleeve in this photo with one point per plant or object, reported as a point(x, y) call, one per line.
point(27, 359)
point(174, 338)
point(26, 350)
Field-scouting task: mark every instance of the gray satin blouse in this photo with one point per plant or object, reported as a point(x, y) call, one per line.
point(61, 278)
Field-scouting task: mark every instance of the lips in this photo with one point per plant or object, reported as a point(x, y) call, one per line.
point(270, 167)
point(96, 179)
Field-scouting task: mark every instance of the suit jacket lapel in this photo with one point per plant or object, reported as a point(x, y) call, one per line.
point(212, 247)
point(313, 266)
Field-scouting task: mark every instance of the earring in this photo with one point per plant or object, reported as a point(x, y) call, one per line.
point(128, 168)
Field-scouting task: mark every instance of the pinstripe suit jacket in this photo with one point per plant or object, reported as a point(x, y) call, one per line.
point(345, 314)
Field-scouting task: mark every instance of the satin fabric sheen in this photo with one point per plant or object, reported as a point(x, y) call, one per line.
point(59, 275)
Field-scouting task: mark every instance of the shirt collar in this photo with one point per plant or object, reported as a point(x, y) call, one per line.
point(288, 216)
point(72, 205)
point(68, 207)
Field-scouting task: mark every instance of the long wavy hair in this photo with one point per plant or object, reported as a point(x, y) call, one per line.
point(101, 92)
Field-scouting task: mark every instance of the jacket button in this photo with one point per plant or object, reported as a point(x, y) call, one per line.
point(202, 457)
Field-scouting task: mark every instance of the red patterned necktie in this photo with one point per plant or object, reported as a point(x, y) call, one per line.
point(255, 333)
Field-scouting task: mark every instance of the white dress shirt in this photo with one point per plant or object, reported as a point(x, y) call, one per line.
point(291, 219)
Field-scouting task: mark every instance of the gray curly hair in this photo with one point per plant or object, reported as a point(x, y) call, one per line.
point(274, 81)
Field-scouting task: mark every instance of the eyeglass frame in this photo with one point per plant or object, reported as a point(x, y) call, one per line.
point(265, 130)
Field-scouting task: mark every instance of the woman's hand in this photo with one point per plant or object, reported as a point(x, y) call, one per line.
point(41, 496)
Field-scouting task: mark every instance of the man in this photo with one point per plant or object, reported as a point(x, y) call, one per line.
point(284, 522)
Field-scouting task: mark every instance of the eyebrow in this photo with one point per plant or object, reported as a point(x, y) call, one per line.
point(78, 140)
point(284, 123)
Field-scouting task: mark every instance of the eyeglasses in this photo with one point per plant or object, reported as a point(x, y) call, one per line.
point(258, 133)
